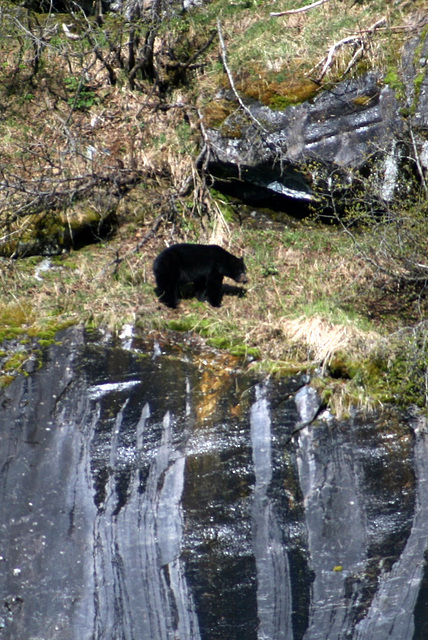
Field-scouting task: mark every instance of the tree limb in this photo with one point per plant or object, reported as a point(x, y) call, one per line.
point(332, 51)
point(355, 40)
point(300, 10)
point(231, 81)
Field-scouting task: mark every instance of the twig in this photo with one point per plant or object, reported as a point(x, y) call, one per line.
point(303, 425)
point(68, 34)
point(118, 260)
point(332, 50)
point(202, 160)
point(204, 47)
point(231, 81)
point(305, 8)
point(418, 162)
point(355, 40)
point(354, 59)
point(379, 23)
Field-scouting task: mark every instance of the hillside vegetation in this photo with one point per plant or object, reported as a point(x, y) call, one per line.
point(104, 118)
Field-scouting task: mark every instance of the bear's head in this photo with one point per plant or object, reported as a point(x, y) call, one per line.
point(240, 271)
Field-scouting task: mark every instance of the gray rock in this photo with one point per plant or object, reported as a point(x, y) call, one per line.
point(308, 404)
point(359, 127)
point(415, 76)
point(125, 513)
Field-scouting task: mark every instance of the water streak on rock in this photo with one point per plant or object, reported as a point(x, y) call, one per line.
point(273, 579)
point(124, 515)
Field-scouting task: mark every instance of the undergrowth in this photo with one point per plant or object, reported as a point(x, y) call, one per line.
point(311, 303)
point(302, 311)
point(276, 59)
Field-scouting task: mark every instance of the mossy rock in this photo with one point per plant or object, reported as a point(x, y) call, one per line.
point(279, 95)
point(53, 232)
point(216, 112)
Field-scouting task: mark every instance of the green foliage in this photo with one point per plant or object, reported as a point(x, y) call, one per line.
point(83, 97)
point(13, 320)
point(406, 370)
point(331, 308)
point(220, 335)
point(27, 97)
point(396, 372)
point(185, 323)
point(225, 205)
point(235, 347)
point(270, 270)
point(393, 79)
point(185, 138)
point(20, 326)
point(342, 366)
point(418, 81)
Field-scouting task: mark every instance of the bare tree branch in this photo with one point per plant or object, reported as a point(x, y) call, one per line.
point(418, 162)
point(300, 10)
point(353, 40)
point(231, 80)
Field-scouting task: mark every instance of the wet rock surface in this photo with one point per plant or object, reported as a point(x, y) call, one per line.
point(288, 158)
point(342, 128)
point(147, 494)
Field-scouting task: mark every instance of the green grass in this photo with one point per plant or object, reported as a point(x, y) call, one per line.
point(305, 281)
point(272, 57)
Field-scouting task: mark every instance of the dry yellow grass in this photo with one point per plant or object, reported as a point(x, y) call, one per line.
point(324, 339)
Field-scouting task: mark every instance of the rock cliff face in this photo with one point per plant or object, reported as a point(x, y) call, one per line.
point(357, 128)
point(144, 496)
point(415, 75)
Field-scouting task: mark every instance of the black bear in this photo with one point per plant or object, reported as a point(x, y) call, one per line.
point(205, 265)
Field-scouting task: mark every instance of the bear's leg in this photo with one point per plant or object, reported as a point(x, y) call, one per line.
point(214, 293)
point(200, 288)
point(167, 291)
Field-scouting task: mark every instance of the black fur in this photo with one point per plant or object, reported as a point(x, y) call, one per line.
point(205, 265)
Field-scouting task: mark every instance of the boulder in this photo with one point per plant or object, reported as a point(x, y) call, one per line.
point(305, 153)
point(54, 232)
point(415, 77)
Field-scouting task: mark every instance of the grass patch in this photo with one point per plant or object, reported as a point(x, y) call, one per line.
point(310, 301)
point(15, 318)
point(303, 309)
point(274, 58)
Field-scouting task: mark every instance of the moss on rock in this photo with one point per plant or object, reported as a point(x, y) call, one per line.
point(52, 232)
